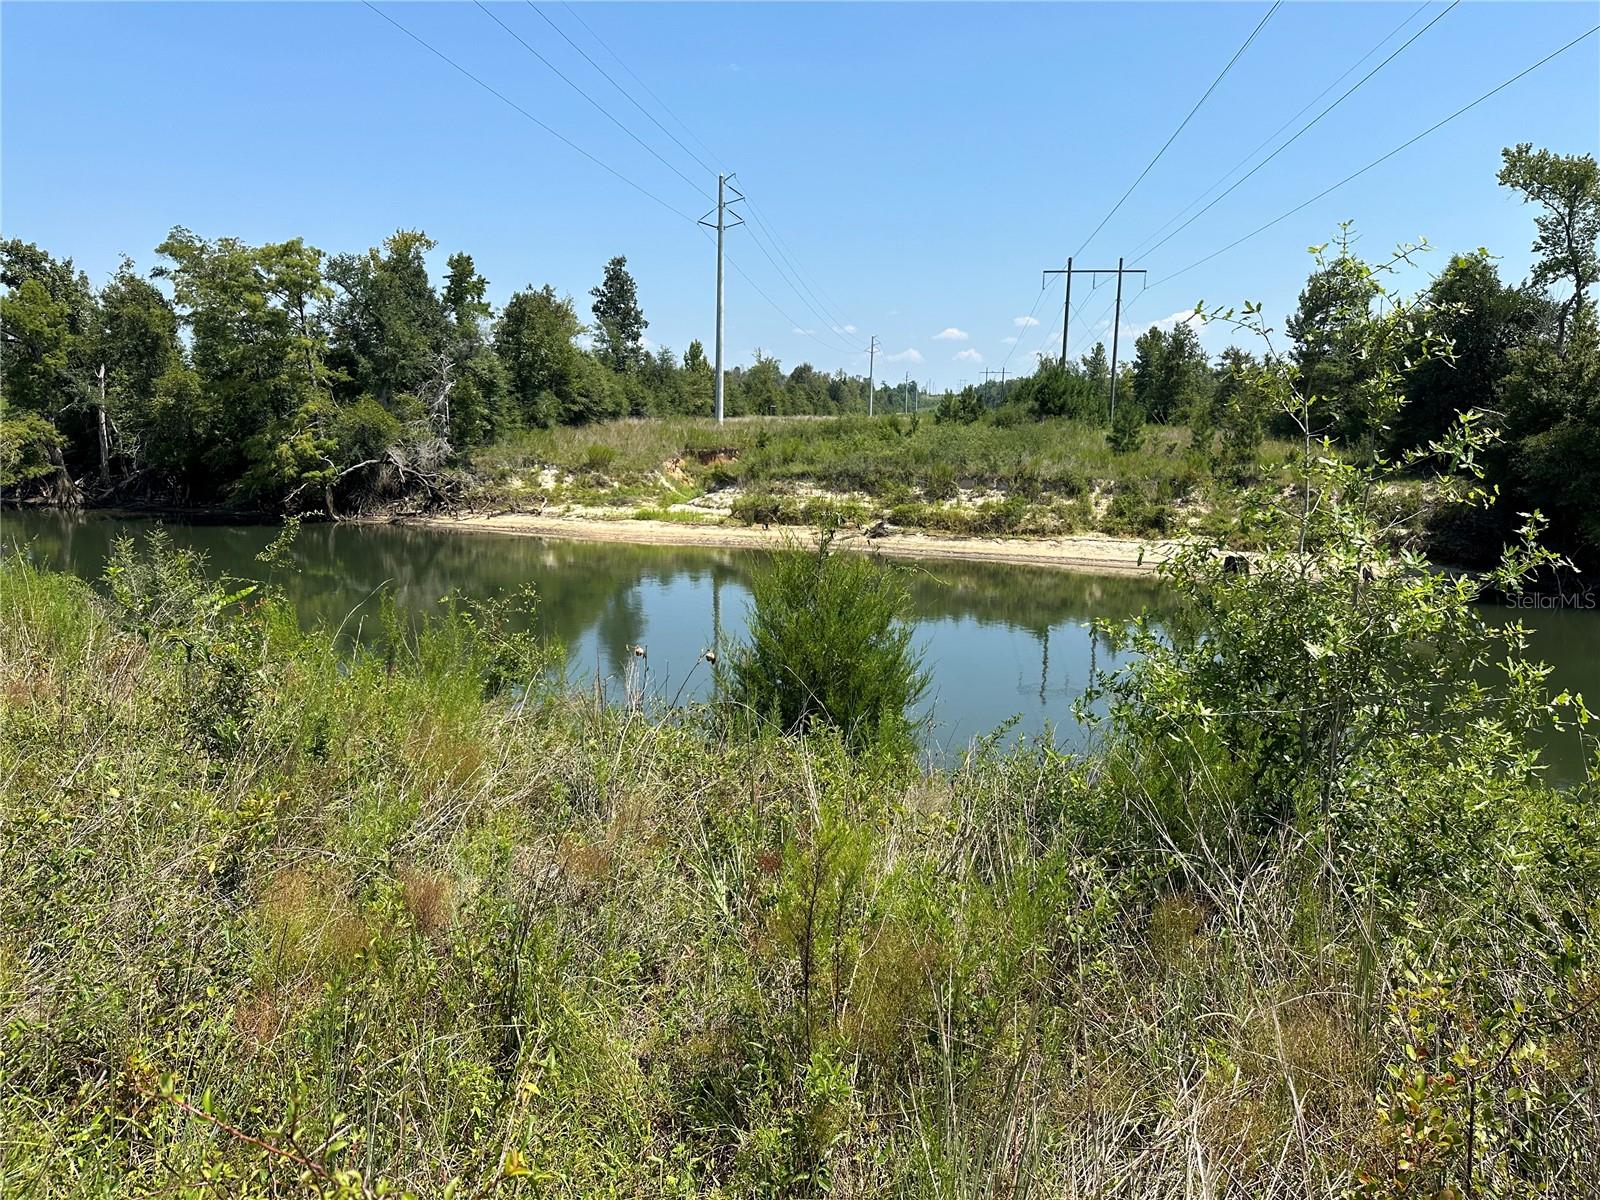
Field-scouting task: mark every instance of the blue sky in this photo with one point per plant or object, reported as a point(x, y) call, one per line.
point(921, 162)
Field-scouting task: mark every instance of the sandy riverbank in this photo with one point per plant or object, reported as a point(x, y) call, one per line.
point(1088, 552)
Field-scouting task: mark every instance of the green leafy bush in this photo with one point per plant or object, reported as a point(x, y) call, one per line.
point(829, 644)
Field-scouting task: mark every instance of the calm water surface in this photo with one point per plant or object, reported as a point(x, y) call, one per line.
point(1002, 641)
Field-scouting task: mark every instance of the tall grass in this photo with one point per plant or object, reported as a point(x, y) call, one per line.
point(419, 922)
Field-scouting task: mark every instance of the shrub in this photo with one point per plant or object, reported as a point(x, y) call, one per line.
point(757, 508)
point(598, 457)
point(940, 482)
point(829, 645)
point(1127, 429)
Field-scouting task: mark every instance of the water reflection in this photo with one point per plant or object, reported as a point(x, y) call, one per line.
point(1001, 641)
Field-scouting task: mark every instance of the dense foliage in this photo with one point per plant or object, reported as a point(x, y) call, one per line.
point(280, 377)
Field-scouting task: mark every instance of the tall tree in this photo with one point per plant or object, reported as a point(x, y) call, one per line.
point(136, 346)
point(388, 327)
point(1483, 321)
point(1567, 186)
point(476, 385)
point(1169, 372)
point(619, 322)
point(1329, 351)
point(263, 404)
point(533, 340)
point(47, 324)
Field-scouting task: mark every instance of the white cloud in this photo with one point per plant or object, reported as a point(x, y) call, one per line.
point(1024, 322)
point(910, 354)
point(584, 341)
point(844, 328)
point(803, 332)
point(951, 335)
point(968, 355)
point(1130, 331)
point(1009, 341)
point(1175, 319)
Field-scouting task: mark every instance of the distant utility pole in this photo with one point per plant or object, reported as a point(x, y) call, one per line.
point(1066, 311)
point(724, 185)
point(872, 358)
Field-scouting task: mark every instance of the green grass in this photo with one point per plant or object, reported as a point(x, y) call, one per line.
point(909, 473)
point(295, 922)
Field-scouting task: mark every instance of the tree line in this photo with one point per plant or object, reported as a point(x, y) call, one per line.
point(279, 376)
point(1526, 355)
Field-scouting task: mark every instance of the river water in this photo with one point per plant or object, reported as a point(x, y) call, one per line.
point(1003, 643)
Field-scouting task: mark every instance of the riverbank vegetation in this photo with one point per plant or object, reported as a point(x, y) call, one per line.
point(280, 378)
point(282, 916)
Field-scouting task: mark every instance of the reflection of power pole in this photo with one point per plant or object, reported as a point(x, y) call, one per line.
point(1044, 667)
point(722, 226)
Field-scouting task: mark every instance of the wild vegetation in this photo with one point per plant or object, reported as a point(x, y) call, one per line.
point(284, 918)
point(283, 379)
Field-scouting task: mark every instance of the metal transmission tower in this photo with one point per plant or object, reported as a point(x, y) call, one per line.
point(722, 225)
point(872, 358)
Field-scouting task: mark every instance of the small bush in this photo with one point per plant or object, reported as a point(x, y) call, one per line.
point(940, 482)
point(829, 645)
point(757, 508)
point(598, 457)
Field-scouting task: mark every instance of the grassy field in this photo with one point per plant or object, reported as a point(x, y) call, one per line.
point(1045, 477)
point(277, 922)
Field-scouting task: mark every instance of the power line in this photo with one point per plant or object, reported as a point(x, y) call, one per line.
point(1384, 157)
point(1304, 128)
point(627, 95)
point(812, 286)
point(572, 12)
point(830, 317)
point(793, 286)
point(1268, 139)
point(504, 99)
point(600, 108)
point(1181, 126)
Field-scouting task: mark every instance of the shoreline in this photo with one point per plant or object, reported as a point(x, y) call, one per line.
point(1088, 553)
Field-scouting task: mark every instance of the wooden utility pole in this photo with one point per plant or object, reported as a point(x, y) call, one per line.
point(1116, 325)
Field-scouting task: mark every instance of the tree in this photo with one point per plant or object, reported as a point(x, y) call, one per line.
point(959, 408)
point(1567, 186)
point(136, 345)
point(388, 327)
point(1097, 370)
point(1237, 410)
point(47, 327)
point(829, 644)
point(763, 385)
point(1326, 328)
point(264, 398)
point(533, 340)
point(619, 322)
point(1054, 391)
point(1483, 321)
point(475, 400)
point(1169, 372)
